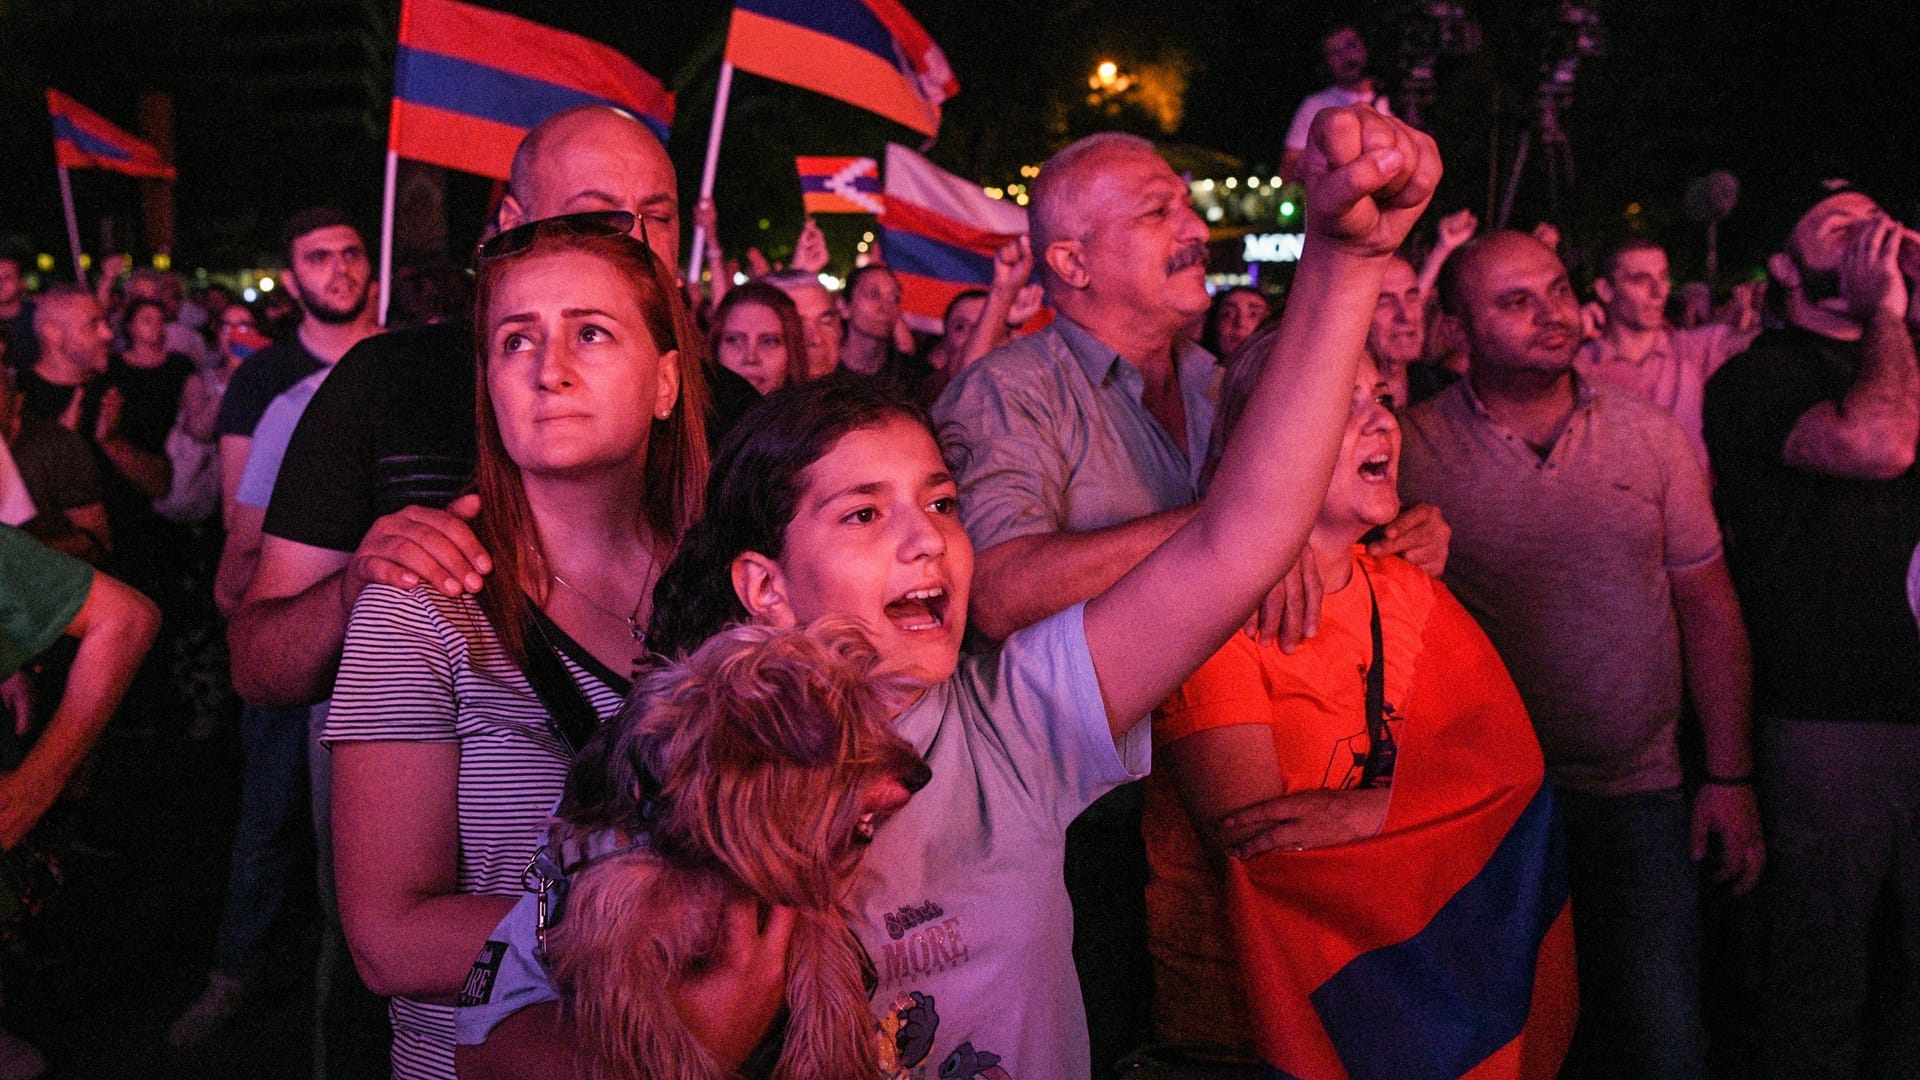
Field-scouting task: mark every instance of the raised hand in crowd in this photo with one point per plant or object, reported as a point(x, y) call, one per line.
point(810, 250)
point(1455, 230)
point(1012, 269)
point(1547, 233)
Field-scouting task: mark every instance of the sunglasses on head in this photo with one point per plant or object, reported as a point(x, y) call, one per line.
point(587, 223)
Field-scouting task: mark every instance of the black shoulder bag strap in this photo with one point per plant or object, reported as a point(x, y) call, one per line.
point(1378, 770)
point(569, 716)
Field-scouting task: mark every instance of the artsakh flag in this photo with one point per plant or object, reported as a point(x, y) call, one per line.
point(83, 139)
point(868, 53)
point(839, 185)
point(939, 233)
point(1442, 948)
point(469, 82)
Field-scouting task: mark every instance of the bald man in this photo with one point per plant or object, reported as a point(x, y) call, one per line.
point(1084, 444)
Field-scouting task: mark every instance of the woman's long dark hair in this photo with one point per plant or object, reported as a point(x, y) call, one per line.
point(752, 495)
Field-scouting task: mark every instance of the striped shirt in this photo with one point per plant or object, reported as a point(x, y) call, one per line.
point(420, 666)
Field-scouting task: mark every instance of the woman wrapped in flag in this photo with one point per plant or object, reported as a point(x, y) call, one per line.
point(1356, 863)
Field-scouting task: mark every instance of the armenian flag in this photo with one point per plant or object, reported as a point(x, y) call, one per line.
point(868, 53)
point(939, 233)
point(83, 139)
point(469, 82)
point(839, 185)
point(1442, 948)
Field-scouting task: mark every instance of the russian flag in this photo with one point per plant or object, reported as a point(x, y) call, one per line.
point(83, 139)
point(868, 53)
point(1442, 948)
point(939, 233)
point(468, 83)
point(839, 185)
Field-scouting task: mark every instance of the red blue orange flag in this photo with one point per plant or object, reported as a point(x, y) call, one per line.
point(1442, 948)
point(939, 233)
point(868, 53)
point(83, 139)
point(470, 82)
point(839, 185)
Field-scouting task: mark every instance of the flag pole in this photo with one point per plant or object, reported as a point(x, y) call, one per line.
point(73, 223)
point(386, 234)
point(720, 95)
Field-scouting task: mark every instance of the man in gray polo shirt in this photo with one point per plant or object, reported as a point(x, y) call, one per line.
point(1584, 542)
point(1083, 445)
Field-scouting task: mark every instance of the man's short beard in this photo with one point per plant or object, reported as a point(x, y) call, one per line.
point(333, 316)
point(1816, 285)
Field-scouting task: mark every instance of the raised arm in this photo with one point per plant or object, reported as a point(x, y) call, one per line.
point(1368, 178)
point(1455, 230)
point(1870, 434)
point(1012, 270)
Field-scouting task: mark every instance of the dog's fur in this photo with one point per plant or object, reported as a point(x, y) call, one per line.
point(743, 771)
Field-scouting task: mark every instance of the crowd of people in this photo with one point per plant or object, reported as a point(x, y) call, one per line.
point(1141, 637)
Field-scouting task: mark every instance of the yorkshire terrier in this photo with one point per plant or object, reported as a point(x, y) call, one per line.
point(749, 777)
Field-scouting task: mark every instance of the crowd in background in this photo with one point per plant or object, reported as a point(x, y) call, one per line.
point(1437, 541)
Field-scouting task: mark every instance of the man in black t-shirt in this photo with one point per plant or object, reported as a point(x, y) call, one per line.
point(329, 274)
point(1813, 433)
point(388, 440)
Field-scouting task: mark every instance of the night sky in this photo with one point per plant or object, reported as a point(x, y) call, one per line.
point(281, 104)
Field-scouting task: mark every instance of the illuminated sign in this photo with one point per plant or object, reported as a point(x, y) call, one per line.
point(1273, 247)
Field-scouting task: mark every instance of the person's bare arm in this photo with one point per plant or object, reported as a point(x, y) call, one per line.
point(1018, 582)
point(238, 558)
point(1012, 268)
point(1713, 640)
point(1368, 179)
point(1218, 771)
point(396, 854)
point(234, 450)
point(1455, 230)
point(115, 627)
point(535, 1043)
point(90, 522)
point(287, 634)
point(1871, 433)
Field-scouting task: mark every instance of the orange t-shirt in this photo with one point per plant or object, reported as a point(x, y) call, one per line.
point(1315, 702)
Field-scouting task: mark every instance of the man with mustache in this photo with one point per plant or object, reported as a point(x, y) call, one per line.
point(1813, 434)
point(1584, 542)
point(1083, 445)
